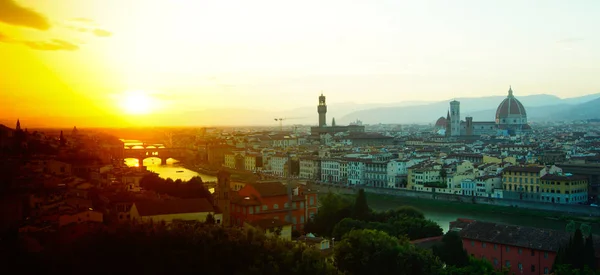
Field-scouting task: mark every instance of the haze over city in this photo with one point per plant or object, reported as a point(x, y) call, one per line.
point(113, 63)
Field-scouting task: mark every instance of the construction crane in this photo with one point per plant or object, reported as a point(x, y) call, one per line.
point(281, 119)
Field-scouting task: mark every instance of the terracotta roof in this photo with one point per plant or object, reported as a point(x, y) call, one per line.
point(178, 206)
point(441, 122)
point(268, 223)
point(270, 189)
point(527, 169)
point(520, 236)
point(510, 106)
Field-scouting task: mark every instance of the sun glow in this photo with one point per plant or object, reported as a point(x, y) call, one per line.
point(137, 103)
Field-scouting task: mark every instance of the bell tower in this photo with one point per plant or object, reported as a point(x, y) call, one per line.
point(222, 196)
point(322, 109)
point(455, 118)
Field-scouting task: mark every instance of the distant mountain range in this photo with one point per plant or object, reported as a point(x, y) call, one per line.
point(539, 108)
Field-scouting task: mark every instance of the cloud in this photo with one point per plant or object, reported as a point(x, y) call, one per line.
point(82, 24)
point(52, 45)
point(102, 33)
point(13, 14)
point(570, 40)
point(83, 20)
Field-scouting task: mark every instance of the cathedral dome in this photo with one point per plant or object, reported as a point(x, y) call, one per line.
point(511, 110)
point(441, 122)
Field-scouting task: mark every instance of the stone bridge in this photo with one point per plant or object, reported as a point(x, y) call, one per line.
point(153, 152)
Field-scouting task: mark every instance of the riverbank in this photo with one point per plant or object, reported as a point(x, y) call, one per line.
point(235, 174)
point(444, 211)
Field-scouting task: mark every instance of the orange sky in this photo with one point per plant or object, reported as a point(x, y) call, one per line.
point(85, 59)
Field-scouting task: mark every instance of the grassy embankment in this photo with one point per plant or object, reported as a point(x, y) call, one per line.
point(385, 202)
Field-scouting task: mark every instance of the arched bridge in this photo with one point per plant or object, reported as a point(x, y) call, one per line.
point(152, 152)
point(144, 146)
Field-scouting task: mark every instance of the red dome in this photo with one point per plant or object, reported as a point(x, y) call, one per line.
point(441, 122)
point(510, 107)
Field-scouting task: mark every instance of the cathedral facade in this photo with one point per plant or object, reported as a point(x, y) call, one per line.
point(511, 119)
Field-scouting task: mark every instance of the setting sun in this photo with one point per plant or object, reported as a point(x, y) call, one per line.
point(137, 103)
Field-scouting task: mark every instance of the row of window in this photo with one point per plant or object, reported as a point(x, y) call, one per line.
point(507, 249)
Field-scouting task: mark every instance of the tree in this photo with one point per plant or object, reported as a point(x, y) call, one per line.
point(361, 208)
point(577, 253)
point(589, 253)
point(375, 252)
point(443, 176)
point(333, 209)
point(474, 266)
point(451, 250)
point(178, 248)
point(210, 219)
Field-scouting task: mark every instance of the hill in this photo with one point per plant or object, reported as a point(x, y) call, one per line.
point(539, 108)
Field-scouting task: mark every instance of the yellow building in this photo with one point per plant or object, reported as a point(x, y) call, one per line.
point(564, 188)
point(491, 159)
point(272, 228)
point(523, 182)
point(173, 210)
point(253, 162)
point(421, 174)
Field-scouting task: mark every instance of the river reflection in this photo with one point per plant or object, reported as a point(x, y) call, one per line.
point(171, 170)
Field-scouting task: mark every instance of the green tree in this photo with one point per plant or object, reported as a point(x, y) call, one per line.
point(474, 266)
point(178, 248)
point(210, 219)
point(451, 250)
point(375, 252)
point(334, 208)
point(443, 176)
point(361, 207)
point(589, 253)
point(576, 253)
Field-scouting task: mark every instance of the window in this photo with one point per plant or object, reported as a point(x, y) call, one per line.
point(483, 245)
point(302, 219)
point(251, 210)
point(520, 266)
point(495, 246)
point(532, 268)
point(507, 263)
point(472, 243)
point(265, 207)
point(546, 270)
point(275, 206)
point(312, 201)
point(532, 252)
point(495, 261)
point(257, 209)
point(545, 255)
point(507, 248)
point(520, 251)
point(301, 204)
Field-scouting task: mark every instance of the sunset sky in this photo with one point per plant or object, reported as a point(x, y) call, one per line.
point(80, 58)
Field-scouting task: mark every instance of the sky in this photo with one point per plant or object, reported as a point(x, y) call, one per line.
point(119, 60)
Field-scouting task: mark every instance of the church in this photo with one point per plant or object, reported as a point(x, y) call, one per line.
point(511, 119)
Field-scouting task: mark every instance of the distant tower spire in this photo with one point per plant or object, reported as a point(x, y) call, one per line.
point(18, 128)
point(62, 139)
point(510, 92)
point(322, 110)
point(333, 122)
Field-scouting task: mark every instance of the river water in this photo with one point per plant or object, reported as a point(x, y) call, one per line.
point(172, 169)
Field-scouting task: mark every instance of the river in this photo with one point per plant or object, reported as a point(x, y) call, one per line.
point(172, 169)
point(443, 213)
